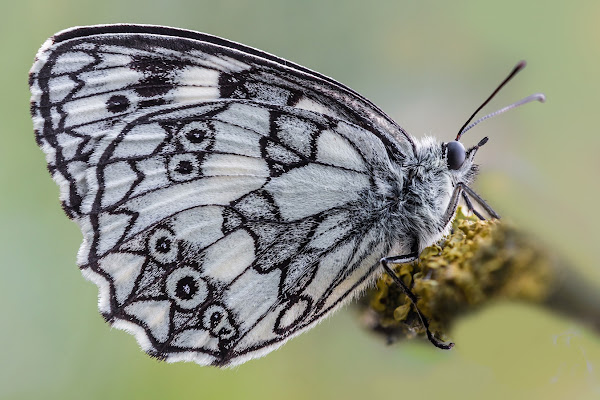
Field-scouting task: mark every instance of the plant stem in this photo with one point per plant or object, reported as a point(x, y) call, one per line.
point(478, 263)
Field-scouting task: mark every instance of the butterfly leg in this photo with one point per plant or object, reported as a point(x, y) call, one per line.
point(468, 191)
point(471, 208)
point(411, 296)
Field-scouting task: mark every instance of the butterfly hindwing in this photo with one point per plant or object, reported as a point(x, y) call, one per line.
point(225, 196)
point(271, 231)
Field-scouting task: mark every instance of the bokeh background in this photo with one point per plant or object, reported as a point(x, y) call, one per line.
point(428, 64)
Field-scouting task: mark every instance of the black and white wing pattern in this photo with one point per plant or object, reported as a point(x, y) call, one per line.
point(227, 198)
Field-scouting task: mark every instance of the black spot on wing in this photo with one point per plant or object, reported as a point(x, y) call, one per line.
point(159, 74)
point(232, 85)
point(152, 102)
point(117, 104)
point(254, 84)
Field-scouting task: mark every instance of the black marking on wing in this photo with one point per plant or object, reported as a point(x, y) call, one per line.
point(279, 243)
point(280, 81)
point(126, 29)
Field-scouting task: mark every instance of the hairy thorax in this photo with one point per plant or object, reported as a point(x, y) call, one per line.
point(427, 189)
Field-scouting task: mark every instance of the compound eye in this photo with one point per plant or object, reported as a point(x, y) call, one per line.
point(455, 155)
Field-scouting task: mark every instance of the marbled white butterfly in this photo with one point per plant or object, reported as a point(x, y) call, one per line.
point(229, 199)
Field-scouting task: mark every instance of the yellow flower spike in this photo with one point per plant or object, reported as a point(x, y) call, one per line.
point(401, 312)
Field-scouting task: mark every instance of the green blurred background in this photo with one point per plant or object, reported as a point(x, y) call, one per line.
point(428, 64)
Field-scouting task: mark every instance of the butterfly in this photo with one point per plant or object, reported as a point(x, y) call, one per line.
point(229, 200)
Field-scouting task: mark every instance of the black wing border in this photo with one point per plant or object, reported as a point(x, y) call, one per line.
point(288, 66)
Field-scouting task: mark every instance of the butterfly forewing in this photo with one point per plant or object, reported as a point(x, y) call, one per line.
point(88, 80)
point(222, 194)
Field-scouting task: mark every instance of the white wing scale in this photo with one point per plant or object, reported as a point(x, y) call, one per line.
point(223, 196)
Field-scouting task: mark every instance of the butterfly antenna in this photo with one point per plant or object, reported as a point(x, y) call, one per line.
point(534, 97)
point(517, 68)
